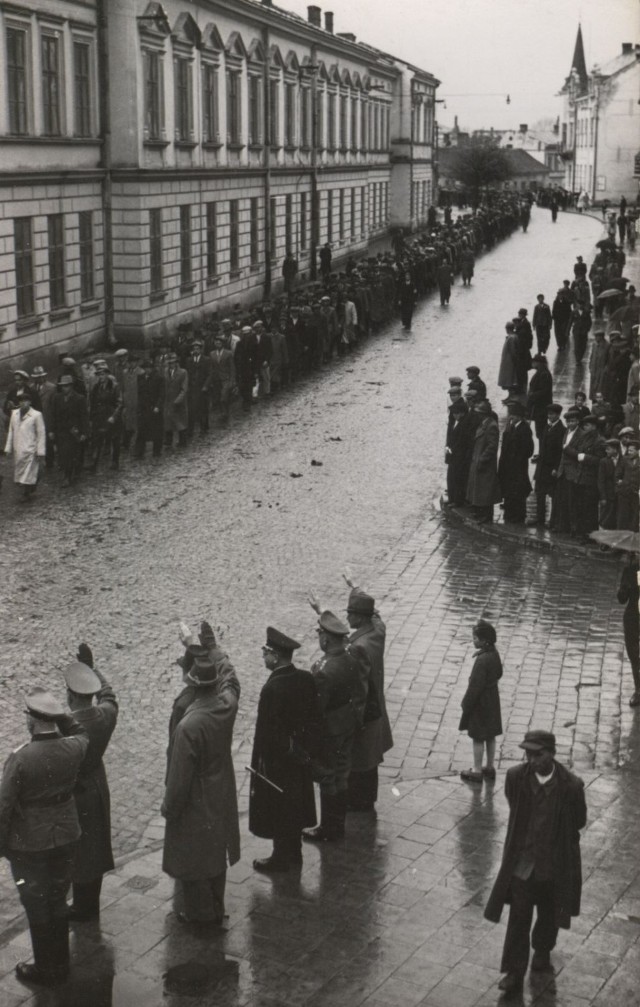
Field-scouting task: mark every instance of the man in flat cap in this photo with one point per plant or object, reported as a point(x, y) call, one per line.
point(541, 864)
point(548, 463)
point(39, 830)
point(200, 804)
point(105, 415)
point(366, 643)
point(341, 683)
point(286, 739)
point(93, 703)
point(475, 383)
point(69, 428)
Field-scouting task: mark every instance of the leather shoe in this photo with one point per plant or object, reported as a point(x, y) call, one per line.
point(541, 962)
point(270, 865)
point(28, 972)
point(511, 983)
point(471, 776)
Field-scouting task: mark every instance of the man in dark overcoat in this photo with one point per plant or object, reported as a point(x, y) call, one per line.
point(540, 393)
point(444, 277)
point(105, 415)
point(513, 467)
point(541, 864)
point(483, 486)
point(341, 684)
point(549, 456)
point(366, 644)
point(39, 830)
point(69, 428)
point(585, 453)
point(150, 409)
point(246, 364)
point(561, 314)
point(286, 739)
point(198, 368)
point(475, 383)
point(222, 378)
point(580, 327)
point(563, 512)
point(460, 437)
point(94, 856)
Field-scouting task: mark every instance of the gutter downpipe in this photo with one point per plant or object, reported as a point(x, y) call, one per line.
point(268, 265)
point(105, 163)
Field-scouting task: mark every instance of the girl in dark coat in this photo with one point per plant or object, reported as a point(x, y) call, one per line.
point(481, 715)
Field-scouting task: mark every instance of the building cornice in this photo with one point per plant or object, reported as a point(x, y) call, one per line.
point(29, 178)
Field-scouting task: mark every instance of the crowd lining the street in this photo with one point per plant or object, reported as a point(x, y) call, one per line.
point(588, 469)
point(93, 411)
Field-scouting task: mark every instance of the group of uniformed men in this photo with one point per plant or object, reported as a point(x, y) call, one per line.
point(328, 725)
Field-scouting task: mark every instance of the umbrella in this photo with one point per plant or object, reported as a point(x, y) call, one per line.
point(606, 243)
point(627, 541)
point(627, 313)
point(610, 293)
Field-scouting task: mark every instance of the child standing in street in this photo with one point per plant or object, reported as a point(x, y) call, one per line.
point(481, 715)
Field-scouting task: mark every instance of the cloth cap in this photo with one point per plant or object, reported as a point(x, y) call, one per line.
point(516, 408)
point(626, 430)
point(68, 362)
point(473, 370)
point(21, 374)
point(66, 379)
point(121, 352)
point(325, 299)
point(554, 407)
point(43, 705)
point(455, 381)
point(589, 419)
point(246, 328)
point(38, 372)
point(331, 624)
point(203, 672)
point(572, 414)
point(81, 678)
point(280, 641)
point(612, 442)
point(471, 394)
point(633, 442)
point(459, 406)
point(536, 741)
point(483, 407)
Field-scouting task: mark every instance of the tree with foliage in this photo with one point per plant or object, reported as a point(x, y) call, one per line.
point(477, 163)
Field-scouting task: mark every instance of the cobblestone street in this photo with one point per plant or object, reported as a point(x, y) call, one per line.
point(236, 530)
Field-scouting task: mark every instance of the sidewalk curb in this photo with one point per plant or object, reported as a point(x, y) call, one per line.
point(525, 539)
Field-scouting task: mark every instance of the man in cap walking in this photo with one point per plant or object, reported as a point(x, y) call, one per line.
point(341, 683)
point(200, 803)
point(366, 644)
point(39, 830)
point(69, 428)
point(286, 739)
point(93, 802)
point(541, 865)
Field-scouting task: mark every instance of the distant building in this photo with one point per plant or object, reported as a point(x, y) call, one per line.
point(159, 160)
point(600, 130)
point(541, 141)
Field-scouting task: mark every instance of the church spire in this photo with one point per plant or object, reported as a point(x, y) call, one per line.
point(578, 62)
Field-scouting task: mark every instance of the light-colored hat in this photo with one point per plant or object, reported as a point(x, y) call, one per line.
point(81, 679)
point(43, 704)
point(121, 352)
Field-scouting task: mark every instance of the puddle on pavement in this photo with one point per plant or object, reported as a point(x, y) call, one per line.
point(193, 978)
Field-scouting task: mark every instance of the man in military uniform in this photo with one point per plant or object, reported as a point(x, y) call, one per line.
point(366, 644)
point(341, 682)
point(281, 801)
point(39, 830)
point(93, 856)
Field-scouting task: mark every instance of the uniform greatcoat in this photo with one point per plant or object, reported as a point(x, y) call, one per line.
point(200, 805)
point(374, 738)
point(94, 855)
point(287, 735)
point(27, 440)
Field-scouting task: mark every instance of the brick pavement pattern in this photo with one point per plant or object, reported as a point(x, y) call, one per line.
point(228, 528)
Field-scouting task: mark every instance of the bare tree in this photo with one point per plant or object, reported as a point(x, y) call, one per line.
point(478, 163)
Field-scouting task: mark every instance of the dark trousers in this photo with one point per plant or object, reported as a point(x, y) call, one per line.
point(543, 336)
point(107, 439)
point(515, 508)
point(406, 314)
point(42, 879)
point(86, 898)
point(363, 789)
point(525, 895)
point(199, 412)
point(203, 900)
point(586, 509)
point(152, 431)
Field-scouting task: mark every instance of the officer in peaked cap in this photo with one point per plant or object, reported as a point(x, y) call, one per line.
point(341, 682)
point(93, 703)
point(366, 644)
point(541, 861)
point(39, 830)
point(286, 740)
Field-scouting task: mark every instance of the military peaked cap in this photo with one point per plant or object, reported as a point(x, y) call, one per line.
point(43, 705)
point(280, 641)
point(331, 624)
point(80, 678)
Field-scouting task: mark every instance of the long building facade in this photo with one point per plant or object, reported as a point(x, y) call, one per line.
point(158, 160)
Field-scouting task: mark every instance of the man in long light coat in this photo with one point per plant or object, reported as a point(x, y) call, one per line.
point(27, 440)
point(202, 834)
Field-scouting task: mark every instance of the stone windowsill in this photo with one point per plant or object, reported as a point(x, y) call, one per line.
point(60, 314)
point(186, 288)
point(212, 145)
point(235, 146)
point(290, 148)
point(88, 307)
point(213, 281)
point(256, 146)
point(185, 144)
point(256, 267)
point(235, 274)
point(157, 296)
point(156, 144)
point(30, 323)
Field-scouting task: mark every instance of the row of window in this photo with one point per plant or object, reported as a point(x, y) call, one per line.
point(421, 198)
point(23, 234)
point(38, 59)
point(341, 121)
point(344, 217)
